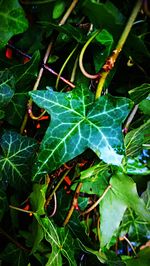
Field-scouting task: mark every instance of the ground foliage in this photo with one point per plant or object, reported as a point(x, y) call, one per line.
point(81, 150)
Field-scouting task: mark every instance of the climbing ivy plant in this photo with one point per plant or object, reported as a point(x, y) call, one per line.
point(75, 132)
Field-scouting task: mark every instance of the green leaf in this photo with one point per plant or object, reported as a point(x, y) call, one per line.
point(3, 203)
point(77, 122)
point(12, 19)
point(38, 198)
point(122, 194)
point(94, 179)
point(16, 159)
point(14, 256)
point(144, 106)
point(136, 138)
point(24, 77)
point(135, 167)
point(106, 39)
point(6, 89)
point(142, 259)
point(102, 14)
point(59, 8)
point(140, 93)
point(60, 240)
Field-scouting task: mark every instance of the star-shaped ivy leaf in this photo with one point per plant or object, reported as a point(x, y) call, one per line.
point(77, 123)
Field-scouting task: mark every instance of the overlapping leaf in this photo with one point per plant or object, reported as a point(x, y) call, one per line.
point(136, 138)
point(60, 240)
point(6, 88)
point(16, 159)
point(12, 19)
point(122, 194)
point(24, 77)
point(77, 122)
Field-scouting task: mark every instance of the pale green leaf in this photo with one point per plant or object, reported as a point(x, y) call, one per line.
point(38, 198)
point(77, 122)
point(60, 240)
point(136, 138)
point(140, 93)
point(134, 166)
point(122, 194)
point(17, 153)
point(13, 21)
point(94, 179)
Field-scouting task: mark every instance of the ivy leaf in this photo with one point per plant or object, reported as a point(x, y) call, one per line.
point(94, 179)
point(16, 159)
point(14, 256)
point(6, 88)
point(144, 105)
point(77, 122)
point(122, 194)
point(12, 19)
point(24, 77)
point(143, 258)
point(136, 138)
point(140, 93)
point(134, 166)
point(60, 240)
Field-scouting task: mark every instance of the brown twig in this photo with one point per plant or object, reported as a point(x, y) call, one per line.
point(74, 204)
point(96, 202)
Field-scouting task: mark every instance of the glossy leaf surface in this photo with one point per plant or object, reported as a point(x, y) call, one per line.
point(77, 123)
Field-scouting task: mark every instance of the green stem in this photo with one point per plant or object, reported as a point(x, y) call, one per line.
point(64, 64)
point(85, 73)
point(111, 60)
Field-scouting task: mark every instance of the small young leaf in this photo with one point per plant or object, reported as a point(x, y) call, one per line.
point(77, 122)
point(59, 8)
point(144, 106)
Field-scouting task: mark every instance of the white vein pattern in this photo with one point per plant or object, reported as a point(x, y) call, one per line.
point(78, 123)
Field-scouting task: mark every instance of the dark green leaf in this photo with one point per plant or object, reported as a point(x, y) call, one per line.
point(136, 138)
point(6, 89)
point(16, 159)
point(12, 19)
point(143, 258)
point(14, 256)
point(24, 76)
point(3, 203)
point(77, 122)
